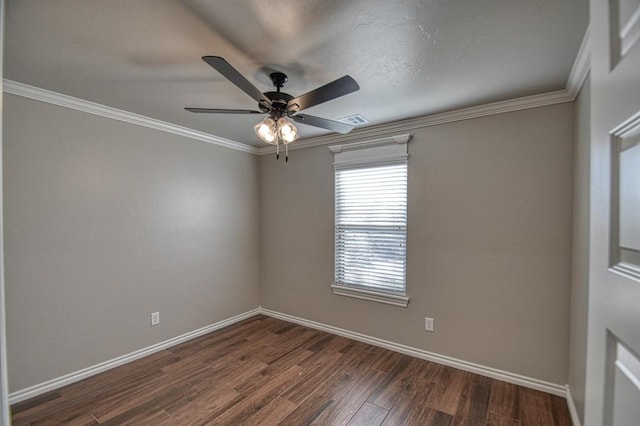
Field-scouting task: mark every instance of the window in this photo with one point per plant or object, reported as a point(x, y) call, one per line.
point(371, 221)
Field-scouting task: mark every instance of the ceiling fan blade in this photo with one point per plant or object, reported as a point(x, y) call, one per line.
point(335, 89)
point(323, 123)
point(223, 111)
point(231, 74)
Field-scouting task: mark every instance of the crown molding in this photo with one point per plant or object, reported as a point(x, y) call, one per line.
point(581, 66)
point(577, 77)
point(47, 96)
point(404, 126)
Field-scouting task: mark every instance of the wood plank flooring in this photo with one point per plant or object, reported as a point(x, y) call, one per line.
point(264, 371)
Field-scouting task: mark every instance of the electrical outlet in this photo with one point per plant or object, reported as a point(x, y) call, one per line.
point(155, 318)
point(428, 324)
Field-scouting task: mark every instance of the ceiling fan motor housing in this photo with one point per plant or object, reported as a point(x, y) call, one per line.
point(279, 100)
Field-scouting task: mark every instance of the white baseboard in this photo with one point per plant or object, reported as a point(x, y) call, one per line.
point(573, 412)
point(493, 373)
point(76, 376)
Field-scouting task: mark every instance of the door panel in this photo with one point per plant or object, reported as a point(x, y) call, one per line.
point(625, 225)
point(623, 389)
point(624, 27)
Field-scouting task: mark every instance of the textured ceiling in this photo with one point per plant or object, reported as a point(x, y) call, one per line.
point(411, 57)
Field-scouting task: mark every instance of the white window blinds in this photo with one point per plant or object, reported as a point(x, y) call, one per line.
point(371, 220)
point(371, 227)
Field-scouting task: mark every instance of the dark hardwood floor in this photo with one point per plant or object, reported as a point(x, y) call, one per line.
point(264, 371)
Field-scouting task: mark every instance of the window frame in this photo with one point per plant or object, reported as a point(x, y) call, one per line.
point(366, 154)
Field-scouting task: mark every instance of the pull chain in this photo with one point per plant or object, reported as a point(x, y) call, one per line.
point(277, 150)
point(286, 155)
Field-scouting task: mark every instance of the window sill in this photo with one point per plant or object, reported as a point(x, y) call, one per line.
point(371, 295)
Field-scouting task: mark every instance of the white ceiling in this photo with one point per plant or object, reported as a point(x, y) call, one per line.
point(411, 57)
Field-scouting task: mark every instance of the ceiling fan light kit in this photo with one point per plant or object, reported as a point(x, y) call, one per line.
point(266, 131)
point(276, 128)
point(273, 132)
point(287, 131)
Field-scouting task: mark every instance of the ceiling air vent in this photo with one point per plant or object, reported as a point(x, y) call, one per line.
point(354, 120)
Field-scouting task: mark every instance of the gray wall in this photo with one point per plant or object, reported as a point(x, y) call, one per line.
point(489, 242)
point(580, 261)
point(106, 222)
point(4, 388)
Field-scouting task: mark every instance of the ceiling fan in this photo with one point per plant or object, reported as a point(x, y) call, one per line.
point(279, 105)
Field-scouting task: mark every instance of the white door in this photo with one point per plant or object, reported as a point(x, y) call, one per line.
point(613, 349)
